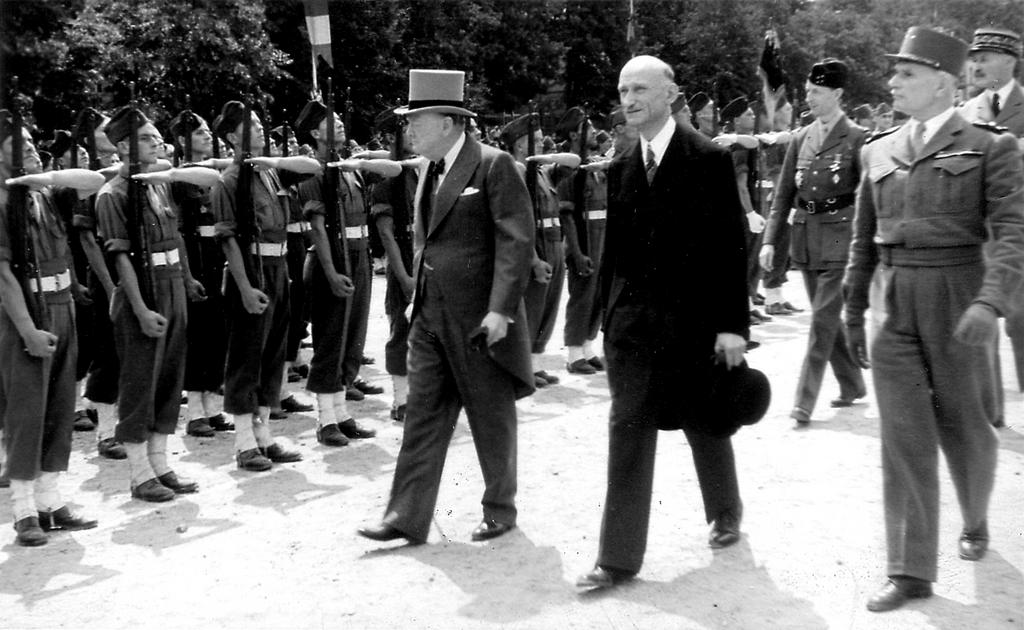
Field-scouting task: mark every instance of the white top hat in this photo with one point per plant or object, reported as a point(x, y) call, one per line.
point(439, 91)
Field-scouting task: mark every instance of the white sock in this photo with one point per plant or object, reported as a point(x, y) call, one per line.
point(106, 415)
point(47, 493)
point(245, 439)
point(210, 406)
point(401, 387)
point(261, 427)
point(773, 296)
point(341, 413)
point(535, 361)
point(284, 381)
point(588, 350)
point(575, 353)
point(195, 406)
point(156, 450)
point(23, 499)
point(138, 462)
point(325, 410)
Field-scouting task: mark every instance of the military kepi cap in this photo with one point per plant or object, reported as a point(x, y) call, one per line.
point(997, 40)
point(119, 126)
point(571, 120)
point(515, 130)
point(830, 73)
point(310, 117)
point(185, 123)
point(438, 91)
point(735, 108)
point(931, 48)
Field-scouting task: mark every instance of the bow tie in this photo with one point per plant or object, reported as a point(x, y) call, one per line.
point(436, 169)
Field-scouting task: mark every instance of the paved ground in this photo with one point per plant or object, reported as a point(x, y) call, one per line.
point(278, 549)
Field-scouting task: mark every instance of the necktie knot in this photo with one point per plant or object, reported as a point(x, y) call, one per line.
point(651, 164)
point(917, 139)
point(436, 169)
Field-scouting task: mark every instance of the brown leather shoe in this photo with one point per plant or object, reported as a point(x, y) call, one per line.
point(30, 534)
point(152, 491)
point(603, 577)
point(180, 485)
point(488, 529)
point(331, 435)
point(354, 431)
point(279, 455)
point(802, 416)
point(219, 423)
point(84, 420)
point(897, 591)
point(64, 518)
point(580, 366)
point(111, 449)
point(384, 532)
point(974, 545)
point(199, 427)
point(252, 459)
point(725, 531)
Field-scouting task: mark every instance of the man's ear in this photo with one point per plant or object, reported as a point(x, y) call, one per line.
point(673, 92)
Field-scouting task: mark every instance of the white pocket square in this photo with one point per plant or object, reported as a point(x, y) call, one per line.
point(469, 191)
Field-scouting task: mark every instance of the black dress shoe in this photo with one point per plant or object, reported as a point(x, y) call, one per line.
point(488, 529)
point(603, 577)
point(5, 481)
point(279, 455)
point(278, 414)
point(777, 308)
point(111, 449)
point(758, 299)
point(291, 405)
point(351, 393)
point(199, 428)
point(792, 308)
point(580, 366)
point(597, 363)
point(64, 518)
point(385, 532)
point(83, 421)
point(897, 591)
point(219, 423)
point(757, 314)
point(365, 360)
point(366, 388)
point(801, 415)
point(152, 491)
point(331, 435)
point(973, 545)
point(354, 431)
point(398, 413)
point(539, 382)
point(179, 485)
point(848, 401)
point(725, 531)
point(252, 459)
point(29, 532)
point(550, 378)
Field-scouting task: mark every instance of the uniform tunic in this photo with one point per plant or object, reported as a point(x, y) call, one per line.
point(583, 310)
point(254, 365)
point(334, 367)
point(152, 369)
point(37, 396)
point(819, 178)
point(542, 300)
point(925, 221)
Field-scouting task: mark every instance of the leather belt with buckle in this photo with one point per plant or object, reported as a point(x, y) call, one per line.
point(827, 205)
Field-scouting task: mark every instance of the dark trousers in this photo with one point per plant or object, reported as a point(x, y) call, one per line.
point(396, 349)
point(327, 313)
point(359, 318)
point(37, 396)
point(930, 390)
point(152, 369)
point(583, 309)
point(632, 444)
point(445, 375)
point(298, 308)
point(826, 343)
point(780, 261)
point(207, 336)
point(256, 344)
point(753, 262)
point(104, 369)
point(542, 300)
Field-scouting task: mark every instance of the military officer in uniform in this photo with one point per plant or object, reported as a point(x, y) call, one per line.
point(819, 177)
point(933, 192)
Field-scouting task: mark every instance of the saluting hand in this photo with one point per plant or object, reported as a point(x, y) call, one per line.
point(977, 326)
point(40, 343)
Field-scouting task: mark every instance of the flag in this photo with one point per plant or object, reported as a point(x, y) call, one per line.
point(318, 24)
point(630, 28)
point(770, 66)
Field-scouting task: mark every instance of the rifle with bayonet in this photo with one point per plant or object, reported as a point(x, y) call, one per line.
point(579, 192)
point(399, 196)
point(334, 213)
point(532, 169)
point(140, 252)
point(190, 212)
point(24, 257)
point(248, 233)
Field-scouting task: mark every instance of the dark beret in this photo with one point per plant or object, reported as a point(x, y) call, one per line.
point(231, 115)
point(185, 123)
point(515, 130)
point(602, 136)
point(88, 117)
point(6, 124)
point(734, 109)
point(310, 117)
point(119, 126)
point(830, 73)
point(698, 102)
point(277, 134)
point(571, 120)
point(61, 142)
point(616, 118)
point(385, 120)
point(996, 39)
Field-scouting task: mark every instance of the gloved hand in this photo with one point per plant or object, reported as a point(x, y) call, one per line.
point(977, 326)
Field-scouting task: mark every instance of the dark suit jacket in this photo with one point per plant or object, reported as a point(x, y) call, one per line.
point(1011, 113)
point(478, 248)
point(673, 276)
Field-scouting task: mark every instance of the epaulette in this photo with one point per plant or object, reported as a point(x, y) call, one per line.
point(881, 134)
point(990, 126)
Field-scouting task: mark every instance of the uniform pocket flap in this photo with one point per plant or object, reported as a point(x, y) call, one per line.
point(956, 164)
point(878, 172)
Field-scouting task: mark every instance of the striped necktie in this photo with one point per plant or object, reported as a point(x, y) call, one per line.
point(651, 165)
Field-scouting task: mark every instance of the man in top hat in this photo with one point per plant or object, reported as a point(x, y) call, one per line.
point(934, 189)
point(149, 329)
point(703, 110)
point(468, 345)
point(544, 291)
point(819, 178)
point(37, 373)
point(992, 65)
point(672, 197)
point(337, 352)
